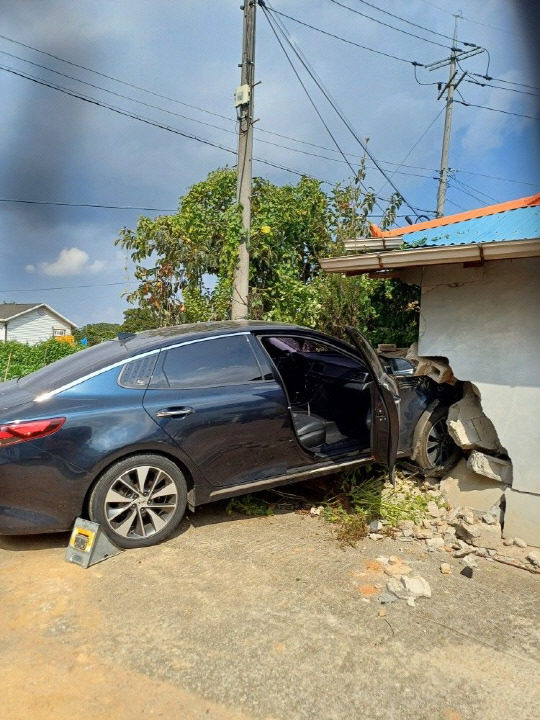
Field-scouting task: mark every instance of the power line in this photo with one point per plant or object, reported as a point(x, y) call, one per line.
point(70, 287)
point(475, 190)
point(422, 136)
point(114, 79)
point(410, 22)
point(307, 92)
point(498, 87)
point(342, 39)
point(147, 121)
point(505, 112)
point(463, 17)
point(329, 98)
point(506, 82)
point(86, 205)
point(392, 27)
point(116, 94)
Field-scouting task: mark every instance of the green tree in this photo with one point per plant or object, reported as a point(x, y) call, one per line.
point(139, 319)
point(96, 333)
point(185, 262)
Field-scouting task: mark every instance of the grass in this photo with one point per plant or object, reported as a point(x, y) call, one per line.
point(365, 495)
point(250, 505)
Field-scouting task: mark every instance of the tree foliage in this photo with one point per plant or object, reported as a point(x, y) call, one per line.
point(185, 262)
point(18, 359)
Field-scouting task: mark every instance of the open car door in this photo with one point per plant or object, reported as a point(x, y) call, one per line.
point(385, 404)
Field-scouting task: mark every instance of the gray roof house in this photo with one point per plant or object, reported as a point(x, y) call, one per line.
point(32, 323)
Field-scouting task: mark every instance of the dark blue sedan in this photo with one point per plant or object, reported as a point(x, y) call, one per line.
point(130, 432)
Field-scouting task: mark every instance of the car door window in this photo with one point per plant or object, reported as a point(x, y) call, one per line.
point(208, 363)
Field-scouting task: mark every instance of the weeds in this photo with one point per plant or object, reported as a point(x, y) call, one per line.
point(250, 506)
point(365, 496)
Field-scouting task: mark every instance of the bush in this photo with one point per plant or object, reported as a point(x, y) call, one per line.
point(18, 359)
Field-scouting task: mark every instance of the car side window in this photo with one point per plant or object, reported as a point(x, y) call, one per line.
point(208, 363)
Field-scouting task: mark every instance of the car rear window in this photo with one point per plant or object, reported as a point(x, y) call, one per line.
point(73, 367)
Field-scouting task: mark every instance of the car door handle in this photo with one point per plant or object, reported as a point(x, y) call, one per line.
point(174, 412)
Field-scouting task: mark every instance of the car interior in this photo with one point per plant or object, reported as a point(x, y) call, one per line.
point(329, 394)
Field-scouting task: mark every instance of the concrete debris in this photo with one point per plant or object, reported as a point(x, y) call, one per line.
point(411, 602)
point(433, 509)
point(520, 543)
point(436, 543)
point(406, 525)
point(375, 526)
point(446, 568)
point(464, 551)
point(469, 561)
point(387, 598)
point(375, 536)
point(466, 531)
point(382, 560)
point(534, 559)
point(434, 367)
point(508, 541)
point(397, 570)
point(407, 533)
point(408, 587)
point(488, 518)
point(395, 560)
point(316, 511)
point(489, 536)
point(468, 424)
point(462, 487)
point(491, 467)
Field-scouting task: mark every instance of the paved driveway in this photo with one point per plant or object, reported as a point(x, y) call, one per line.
point(262, 618)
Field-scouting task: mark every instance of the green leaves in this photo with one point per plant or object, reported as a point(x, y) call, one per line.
point(185, 262)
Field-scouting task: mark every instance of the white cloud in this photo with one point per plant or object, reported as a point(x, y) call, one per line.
point(72, 261)
point(30, 268)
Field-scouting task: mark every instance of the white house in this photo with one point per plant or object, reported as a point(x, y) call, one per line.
point(480, 309)
point(32, 323)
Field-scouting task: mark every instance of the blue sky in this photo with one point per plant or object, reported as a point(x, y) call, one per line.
point(57, 148)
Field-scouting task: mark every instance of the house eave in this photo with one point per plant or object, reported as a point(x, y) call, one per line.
point(442, 255)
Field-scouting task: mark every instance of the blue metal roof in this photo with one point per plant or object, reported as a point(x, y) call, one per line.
point(519, 224)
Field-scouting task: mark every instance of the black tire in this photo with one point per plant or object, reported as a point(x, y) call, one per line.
point(139, 501)
point(435, 453)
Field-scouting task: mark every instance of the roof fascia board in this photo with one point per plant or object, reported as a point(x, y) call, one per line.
point(444, 255)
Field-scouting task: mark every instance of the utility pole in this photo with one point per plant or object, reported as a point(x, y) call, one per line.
point(450, 87)
point(244, 105)
point(456, 55)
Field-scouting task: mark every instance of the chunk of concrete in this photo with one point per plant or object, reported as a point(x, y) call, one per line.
point(489, 536)
point(434, 367)
point(491, 467)
point(467, 532)
point(521, 516)
point(468, 425)
point(464, 488)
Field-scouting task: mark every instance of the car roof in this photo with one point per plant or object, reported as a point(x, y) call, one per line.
point(162, 337)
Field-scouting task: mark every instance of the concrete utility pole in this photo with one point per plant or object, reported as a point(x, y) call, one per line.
point(455, 56)
point(450, 87)
point(244, 105)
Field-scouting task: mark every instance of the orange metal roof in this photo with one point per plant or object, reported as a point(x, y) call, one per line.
point(531, 201)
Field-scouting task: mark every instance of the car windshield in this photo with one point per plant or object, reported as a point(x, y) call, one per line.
point(73, 367)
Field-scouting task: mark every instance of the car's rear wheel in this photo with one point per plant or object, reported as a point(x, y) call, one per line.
point(139, 501)
point(435, 451)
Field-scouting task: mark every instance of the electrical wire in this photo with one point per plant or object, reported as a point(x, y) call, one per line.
point(148, 121)
point(392, 27)
point(70, 287)
point(498, 87)
point(116, 94)
point(506, 82)
point(505, 112)
point(422, 136)
point(85, 205)
point(410, 22)
point(303, 60)
point(466, 186)
point(114, 79)
point(342, 39)
point(463, 17)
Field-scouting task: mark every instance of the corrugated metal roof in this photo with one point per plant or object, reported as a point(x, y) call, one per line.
point(519, 224)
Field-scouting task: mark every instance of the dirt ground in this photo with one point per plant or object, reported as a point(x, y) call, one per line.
point(239, 618)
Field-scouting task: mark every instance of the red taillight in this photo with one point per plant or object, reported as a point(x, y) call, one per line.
point(17, 432)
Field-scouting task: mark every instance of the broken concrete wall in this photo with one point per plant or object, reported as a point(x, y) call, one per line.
point(485, 319)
